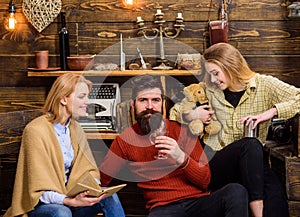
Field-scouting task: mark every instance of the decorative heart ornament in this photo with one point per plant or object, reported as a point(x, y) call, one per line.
point(40, 13)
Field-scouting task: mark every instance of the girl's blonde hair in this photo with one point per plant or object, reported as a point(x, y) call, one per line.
point(231, 61)
point(63, 86)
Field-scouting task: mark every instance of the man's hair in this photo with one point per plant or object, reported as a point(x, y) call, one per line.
point(143, 82)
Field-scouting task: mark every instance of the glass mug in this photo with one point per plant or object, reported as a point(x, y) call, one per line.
point(152, 137)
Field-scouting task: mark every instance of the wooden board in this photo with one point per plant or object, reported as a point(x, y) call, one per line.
point(11, 129)
point(296, 134)
point(294, 208)
point(292, 165)
point(286, 166)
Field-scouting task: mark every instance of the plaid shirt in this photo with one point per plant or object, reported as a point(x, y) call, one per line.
point(262, 93)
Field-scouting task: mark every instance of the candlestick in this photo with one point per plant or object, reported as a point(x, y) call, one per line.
point(160, 32)
point(158, 12)
point(179, 16)
point(139, 19)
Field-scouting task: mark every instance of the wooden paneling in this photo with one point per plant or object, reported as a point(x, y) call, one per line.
point(11, 129)
point(286, 167)
point(22, 98)
point(294, 208)
point(91, 38)
point(296, 135)
point(292, 165)
point(259, 29)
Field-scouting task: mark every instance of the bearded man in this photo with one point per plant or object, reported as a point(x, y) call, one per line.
point(175, 185)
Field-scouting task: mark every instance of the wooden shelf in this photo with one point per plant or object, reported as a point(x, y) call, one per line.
point(174, 72)
point(101, 135)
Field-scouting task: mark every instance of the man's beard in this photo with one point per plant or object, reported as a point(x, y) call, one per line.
point(149, 123)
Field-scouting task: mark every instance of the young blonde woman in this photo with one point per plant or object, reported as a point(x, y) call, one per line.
point(239, 95)
point(54, 153)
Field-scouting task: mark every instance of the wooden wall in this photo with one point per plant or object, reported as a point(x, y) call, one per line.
point(259, 29)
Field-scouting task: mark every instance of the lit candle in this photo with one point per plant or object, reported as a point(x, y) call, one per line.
point(158, 12)
point(139, 19)
point(179, 15)
point(128, 2)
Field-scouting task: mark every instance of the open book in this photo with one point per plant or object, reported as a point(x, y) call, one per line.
point(87, 183)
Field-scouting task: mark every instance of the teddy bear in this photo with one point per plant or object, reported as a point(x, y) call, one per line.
point(195, 96)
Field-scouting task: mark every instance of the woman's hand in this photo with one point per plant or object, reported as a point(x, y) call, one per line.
point(265, 116)
point(82, 199)
point(169, 146)
point(203, 113)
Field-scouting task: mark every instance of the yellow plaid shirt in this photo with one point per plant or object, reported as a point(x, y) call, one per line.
point(262, 93)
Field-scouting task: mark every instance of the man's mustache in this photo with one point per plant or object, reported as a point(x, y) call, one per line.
point(146, 112)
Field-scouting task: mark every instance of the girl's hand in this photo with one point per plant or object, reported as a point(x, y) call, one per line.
point(82, 199)
point(265, 116)
point(202, 113)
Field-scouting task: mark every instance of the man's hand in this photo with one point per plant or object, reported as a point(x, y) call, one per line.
point(169, 146)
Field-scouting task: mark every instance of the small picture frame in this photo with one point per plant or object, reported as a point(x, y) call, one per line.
point(189, 61)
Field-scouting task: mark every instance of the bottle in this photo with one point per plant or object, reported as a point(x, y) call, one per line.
point(64, 47)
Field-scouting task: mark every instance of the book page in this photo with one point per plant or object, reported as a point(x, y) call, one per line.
point(87, 183)
point(113, 189)
point(85, 180)
point(95, 192)
point(79, 187)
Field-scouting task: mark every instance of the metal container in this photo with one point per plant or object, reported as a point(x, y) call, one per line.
point(249, 132)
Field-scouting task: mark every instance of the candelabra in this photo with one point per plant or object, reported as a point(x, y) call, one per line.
point(160, 32)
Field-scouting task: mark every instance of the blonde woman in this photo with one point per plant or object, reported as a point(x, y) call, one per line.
point(54, 153)
point(239, 95)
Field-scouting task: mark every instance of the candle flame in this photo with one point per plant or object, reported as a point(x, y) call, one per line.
point(128, 2)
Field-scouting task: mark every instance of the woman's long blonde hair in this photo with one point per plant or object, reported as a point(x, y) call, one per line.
point(231, 61)
point(63, 86)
